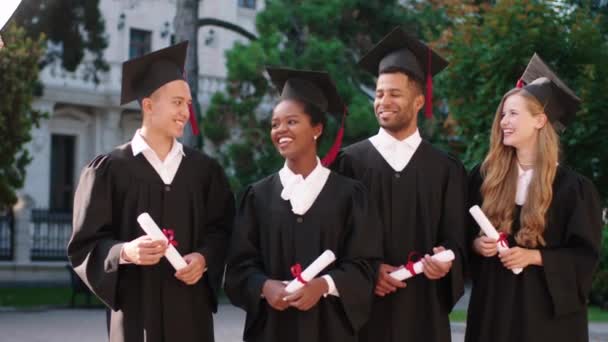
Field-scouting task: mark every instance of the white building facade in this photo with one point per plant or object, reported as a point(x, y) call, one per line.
point(85, 120)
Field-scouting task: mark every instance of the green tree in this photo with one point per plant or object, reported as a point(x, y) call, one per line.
point(18, 79)
point(489, 50)
point(319, 35)
point(75, 27)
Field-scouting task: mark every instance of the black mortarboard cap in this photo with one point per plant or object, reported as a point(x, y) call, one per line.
point(402, 51)
point(559, 101)
point(313, 87)
point(398, 49)
point(143, 75)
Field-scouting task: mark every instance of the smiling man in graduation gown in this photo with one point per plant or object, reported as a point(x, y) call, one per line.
point(183, 190)
point(419, 192)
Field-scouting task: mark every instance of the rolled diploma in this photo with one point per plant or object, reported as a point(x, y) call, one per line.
point(312, 270)
point(151, 228)
point(403, 273)
point(488, 229)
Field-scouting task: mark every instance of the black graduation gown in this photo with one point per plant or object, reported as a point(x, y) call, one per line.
point(547, 303)
point(147, 303)
point(421, 207)
point(269, 238)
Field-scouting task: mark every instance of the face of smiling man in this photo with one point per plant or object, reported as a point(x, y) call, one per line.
point(397, 102)
point(166, 110)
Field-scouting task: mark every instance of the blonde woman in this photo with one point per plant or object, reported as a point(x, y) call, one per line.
point(549, 215)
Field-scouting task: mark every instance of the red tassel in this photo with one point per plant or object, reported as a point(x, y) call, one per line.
point(332, 154)
point(193, 121)
point(428, 106)
point(520, 83)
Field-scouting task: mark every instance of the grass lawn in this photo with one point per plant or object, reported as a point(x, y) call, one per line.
point(32, 297)
point(458, 316)
point(36, 297)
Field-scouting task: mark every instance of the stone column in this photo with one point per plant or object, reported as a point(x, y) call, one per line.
point(23, 231)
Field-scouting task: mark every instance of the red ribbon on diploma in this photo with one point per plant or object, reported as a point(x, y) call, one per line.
point(170, 234)
point(410, 263)
point(296, 272)
point(502, 240)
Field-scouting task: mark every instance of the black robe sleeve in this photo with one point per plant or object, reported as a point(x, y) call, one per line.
point(569, 268)
point(452, 233)
point(355, 271)
point(472, 228)
point(343, 165)
point(93, 250)
point(245, 276)
point(219, 216)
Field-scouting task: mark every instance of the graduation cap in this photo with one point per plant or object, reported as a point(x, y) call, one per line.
point(403, 51)
point(315, 88)
point(8, 8)
point(559, 101)
point(143, 75)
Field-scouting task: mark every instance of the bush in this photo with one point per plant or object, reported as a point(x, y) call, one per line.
point(599, 286)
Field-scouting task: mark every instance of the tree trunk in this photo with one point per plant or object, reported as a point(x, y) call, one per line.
point(186, 28)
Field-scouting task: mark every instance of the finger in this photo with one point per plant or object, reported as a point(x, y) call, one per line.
point(431, 265)
point(386, 287)
point(293, 297)
point(394, 282)
point(438, 249)
point(379, 292)
point(148, 243)
point(388, 269)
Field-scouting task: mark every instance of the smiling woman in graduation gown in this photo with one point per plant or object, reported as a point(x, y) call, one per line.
point(548, 300)
point(273, 232)
point(148, 303)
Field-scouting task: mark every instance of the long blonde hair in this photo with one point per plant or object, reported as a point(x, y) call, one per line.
point(500, 173)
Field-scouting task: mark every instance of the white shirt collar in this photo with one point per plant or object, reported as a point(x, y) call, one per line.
point(524, 177)
point(166, 169)
point(385, 139)
point(397, 153)
point(302, 192)
point(139, 144)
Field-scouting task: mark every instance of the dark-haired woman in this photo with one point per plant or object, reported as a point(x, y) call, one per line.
point(292, 217)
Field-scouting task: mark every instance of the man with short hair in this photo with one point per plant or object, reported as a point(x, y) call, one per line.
point(419, 193)
point(184, 191)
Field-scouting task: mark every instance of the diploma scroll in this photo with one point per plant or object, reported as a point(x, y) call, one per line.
point(311, 271)
point(406, 272)
point(151, 228)
point(488, 229)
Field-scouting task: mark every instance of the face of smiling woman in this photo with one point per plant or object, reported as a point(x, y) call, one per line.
point(292, 132)
point(519, 126)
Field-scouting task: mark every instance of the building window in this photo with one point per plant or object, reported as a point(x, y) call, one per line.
point(247, 4)
point(140, 43)
point(62, 172)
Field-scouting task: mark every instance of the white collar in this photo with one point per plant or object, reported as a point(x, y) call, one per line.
point(524, 177)
point(139, 145)
point(384, 139)
point(302, 192)
point(397, 153)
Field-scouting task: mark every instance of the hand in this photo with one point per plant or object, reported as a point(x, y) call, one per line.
point(385, 283)
point(274, 292)
point(434, 269)
point(518, 257)
point(144, 250)
point(485, 246)
point(309, 295)
point(193, 272)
